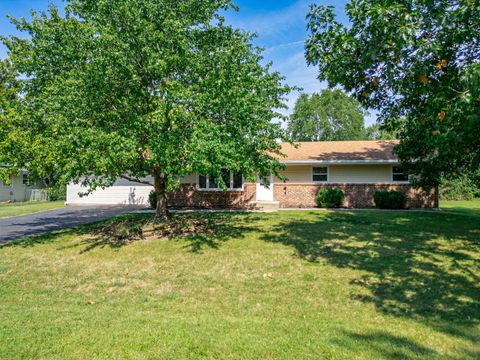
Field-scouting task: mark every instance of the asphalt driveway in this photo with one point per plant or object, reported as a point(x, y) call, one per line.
point(44, 222)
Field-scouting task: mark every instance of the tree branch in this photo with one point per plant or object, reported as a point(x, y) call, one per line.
point(136, 180)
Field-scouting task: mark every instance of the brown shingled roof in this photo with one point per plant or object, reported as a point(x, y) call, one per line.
point(332, 151)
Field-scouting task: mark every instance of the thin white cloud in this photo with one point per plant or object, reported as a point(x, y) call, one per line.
point(289, 44)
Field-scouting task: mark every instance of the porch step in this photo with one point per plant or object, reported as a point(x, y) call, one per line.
point(266, 206)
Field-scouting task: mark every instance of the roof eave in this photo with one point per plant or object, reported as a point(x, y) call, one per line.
point(338, 162)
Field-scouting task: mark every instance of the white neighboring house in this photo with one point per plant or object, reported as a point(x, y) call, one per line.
point(21, 190)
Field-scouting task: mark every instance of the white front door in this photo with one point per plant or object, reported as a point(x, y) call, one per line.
point(265, 189)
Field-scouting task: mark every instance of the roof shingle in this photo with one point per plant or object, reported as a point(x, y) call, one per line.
point(331, 151)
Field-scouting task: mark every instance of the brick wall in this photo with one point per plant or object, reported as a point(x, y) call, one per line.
point(294, 196)
point(356, 195)
point(189, 196)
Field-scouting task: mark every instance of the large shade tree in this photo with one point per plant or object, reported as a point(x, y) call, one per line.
point(415, 60)
point(17, 142)
point(329, 115)
point(145, 89)
point(9, 106)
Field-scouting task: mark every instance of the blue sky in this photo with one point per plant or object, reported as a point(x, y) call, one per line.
point(280, 25)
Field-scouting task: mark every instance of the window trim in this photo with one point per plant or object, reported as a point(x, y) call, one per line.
point(27, 181)
point(230, 188)
point(397, 173)
point(320, 182)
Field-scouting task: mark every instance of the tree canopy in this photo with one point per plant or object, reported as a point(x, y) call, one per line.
point(416, 60)
point(12, 138)
point(378, 132)
point(329, 115)
point(9, 89)
point(139, 88)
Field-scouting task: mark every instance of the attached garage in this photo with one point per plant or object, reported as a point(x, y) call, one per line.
point(358, 168)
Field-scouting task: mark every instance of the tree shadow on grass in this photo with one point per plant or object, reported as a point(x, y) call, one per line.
point(199, 230)
point(384, 345)
point(415, 265)
point(215, 229)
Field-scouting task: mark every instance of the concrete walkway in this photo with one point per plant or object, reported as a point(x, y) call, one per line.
point(40, 223)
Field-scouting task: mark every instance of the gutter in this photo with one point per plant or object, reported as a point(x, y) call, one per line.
point(339, 162)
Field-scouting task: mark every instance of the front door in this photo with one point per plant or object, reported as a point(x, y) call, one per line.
point(265, 189)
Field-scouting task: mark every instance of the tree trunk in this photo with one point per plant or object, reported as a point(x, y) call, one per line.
point(162, 213)
point(437, 197)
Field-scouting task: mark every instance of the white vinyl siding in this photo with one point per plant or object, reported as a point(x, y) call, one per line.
point(189, 179)
point(367, 174)
point(356, 174)
point(135, 194)
point(17, 190)
point(297, 174)
point(5, 191)
point(123, 192)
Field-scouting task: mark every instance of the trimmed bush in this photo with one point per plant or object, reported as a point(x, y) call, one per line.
point(330, 198)
point(390, 199)
point(152, 199)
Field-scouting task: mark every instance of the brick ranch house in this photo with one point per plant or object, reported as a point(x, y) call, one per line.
point(359, 168)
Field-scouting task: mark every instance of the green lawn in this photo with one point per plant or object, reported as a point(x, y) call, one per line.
point(470, 207)
point(22, 208)
point(293, 284)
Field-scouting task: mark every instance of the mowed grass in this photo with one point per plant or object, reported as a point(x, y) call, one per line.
point(293, 284)
point(22, 208)
point(468, 207)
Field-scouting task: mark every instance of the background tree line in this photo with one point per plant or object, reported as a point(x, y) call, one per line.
point(332, 115)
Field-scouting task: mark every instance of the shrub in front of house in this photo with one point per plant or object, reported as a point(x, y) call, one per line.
point(330, 198)
point(390, 199)
point(152, 199)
